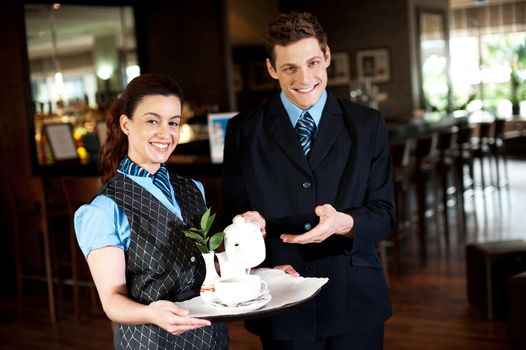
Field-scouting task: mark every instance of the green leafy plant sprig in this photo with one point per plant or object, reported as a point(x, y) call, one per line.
point(204, 241)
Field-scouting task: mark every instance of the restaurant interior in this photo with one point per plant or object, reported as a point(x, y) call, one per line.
point(449, 76)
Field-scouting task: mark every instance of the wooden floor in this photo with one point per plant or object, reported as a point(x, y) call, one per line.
point(430, 304)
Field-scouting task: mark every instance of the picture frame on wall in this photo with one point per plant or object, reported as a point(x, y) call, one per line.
point(374, 65)
point(216, 134)
point(338, 72)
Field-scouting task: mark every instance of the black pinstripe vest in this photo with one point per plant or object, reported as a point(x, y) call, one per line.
point(161, 262)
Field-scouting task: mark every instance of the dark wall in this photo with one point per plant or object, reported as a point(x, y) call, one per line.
point(15, 128)
point(257, 85)
point(15, 106)
point(186, 39)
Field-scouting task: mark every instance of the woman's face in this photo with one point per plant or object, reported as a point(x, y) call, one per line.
point(153, 130)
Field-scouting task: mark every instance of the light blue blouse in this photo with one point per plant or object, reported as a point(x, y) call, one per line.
point(102, 223)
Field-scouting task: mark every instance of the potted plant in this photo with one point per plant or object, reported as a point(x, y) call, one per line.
point(518, 63)
point(513, 54)
point(207, 243)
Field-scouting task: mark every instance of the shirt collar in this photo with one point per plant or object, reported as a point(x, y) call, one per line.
point(128, 167)
point(294, 112)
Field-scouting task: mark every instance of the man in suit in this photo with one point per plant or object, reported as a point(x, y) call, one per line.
point(316, 170)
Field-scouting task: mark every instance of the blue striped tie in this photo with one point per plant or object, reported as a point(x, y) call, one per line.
point(306, 129)
point(160, 179)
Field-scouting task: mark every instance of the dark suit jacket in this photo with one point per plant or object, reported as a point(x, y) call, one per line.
point(349, 167)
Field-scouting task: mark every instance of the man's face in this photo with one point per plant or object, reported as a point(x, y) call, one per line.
point(301, 69)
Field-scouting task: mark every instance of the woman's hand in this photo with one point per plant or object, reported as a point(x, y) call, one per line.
point(256, 217)
point(172, 318)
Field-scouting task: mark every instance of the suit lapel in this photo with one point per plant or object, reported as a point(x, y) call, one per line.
point(277, 125)
point(330, 128)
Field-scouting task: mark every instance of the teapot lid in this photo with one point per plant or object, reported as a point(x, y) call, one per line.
point(239, 220)
point(239, 223)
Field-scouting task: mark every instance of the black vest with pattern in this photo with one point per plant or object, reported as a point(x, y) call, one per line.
point(161, 262)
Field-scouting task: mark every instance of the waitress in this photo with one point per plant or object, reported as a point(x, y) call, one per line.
point(131, 233)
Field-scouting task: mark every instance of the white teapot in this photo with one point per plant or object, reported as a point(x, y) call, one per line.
point(244, 247)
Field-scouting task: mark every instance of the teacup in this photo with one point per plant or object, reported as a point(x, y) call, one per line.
point(235, 290)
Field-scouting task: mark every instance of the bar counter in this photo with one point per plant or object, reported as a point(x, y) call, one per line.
point(193, 158)
point(399, 132)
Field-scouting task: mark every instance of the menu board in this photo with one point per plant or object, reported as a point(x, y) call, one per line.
point(60, 138)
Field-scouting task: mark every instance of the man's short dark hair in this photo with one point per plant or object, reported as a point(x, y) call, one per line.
point(289, 28)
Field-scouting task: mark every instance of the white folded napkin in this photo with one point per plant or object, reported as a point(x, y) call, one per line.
point(284, 289)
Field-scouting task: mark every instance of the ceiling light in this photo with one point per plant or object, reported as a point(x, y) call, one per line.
point(59, 84)
point(132, 72)
point(105, 71)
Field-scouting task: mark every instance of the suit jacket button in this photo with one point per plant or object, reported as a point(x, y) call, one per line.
point(192, 259)
point(308, 268)
point(307, 226)
point(347, 251)
point(306, 185)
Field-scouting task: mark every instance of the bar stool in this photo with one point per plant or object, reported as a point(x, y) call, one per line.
point(464, 157)
point(498, 150)
point(58, 223)
point(79, 191)
point(449, 180)
point(464, 163)
point(29, 213)
point(482, 152)
point(425, 164)
point(402, 172)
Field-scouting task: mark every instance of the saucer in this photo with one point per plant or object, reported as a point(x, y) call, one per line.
point(245, 306)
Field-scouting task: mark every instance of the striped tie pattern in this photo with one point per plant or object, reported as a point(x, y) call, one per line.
point(161, 179)
point(306, 128)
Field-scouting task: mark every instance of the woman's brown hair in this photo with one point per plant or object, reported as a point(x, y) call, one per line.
point(289, 28)
point(116, 145)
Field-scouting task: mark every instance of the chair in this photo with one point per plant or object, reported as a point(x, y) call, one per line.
point(30, 226)
point(78, 191)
